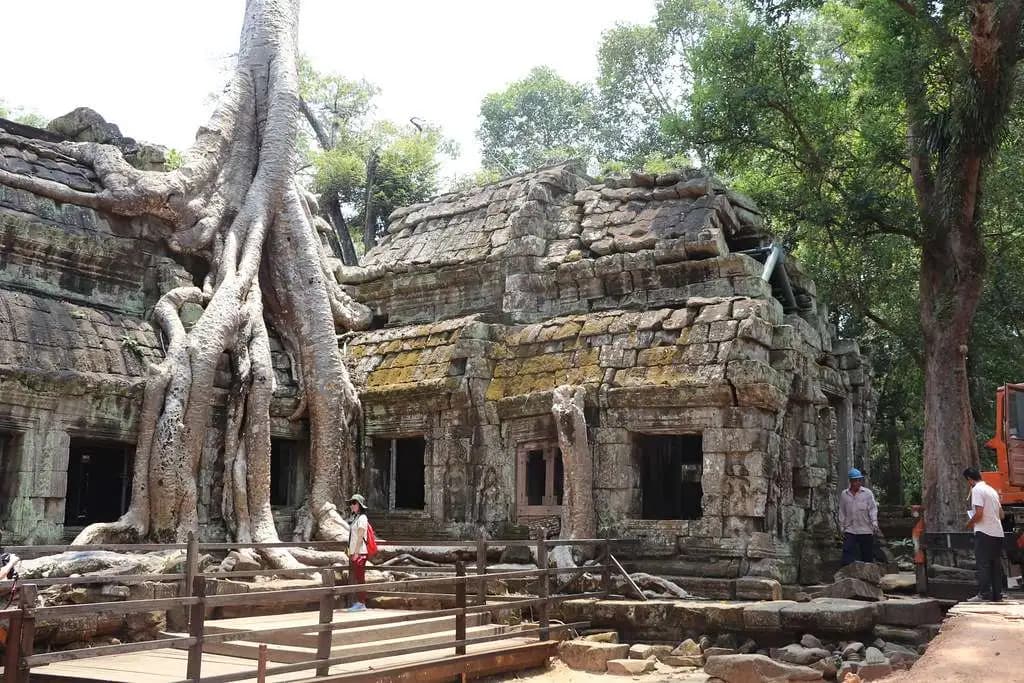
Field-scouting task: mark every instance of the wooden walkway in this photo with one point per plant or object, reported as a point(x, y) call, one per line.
point(168, 665)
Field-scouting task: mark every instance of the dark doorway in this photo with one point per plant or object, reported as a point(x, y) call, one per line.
point(99, 481)
point(670, 475)
point(399, 476)
point(287, 472)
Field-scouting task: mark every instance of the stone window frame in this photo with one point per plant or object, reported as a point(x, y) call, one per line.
point(552, 451)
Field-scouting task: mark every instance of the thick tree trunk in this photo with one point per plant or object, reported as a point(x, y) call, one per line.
point(233, 195)
point(951, 280)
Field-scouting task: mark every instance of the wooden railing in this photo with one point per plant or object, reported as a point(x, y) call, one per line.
point(20, 656)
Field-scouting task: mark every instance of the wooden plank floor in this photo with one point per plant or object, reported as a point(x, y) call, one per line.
point(166, 665)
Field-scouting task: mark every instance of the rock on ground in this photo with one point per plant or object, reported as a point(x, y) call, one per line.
point(630, 667)
point(590, 656)
point(757, 669)
point(909, 611)
point(798, 654)
point(865, 571)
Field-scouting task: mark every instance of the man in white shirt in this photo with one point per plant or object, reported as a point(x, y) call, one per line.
point(986, 515)
point(858, 520)
point(357, 548)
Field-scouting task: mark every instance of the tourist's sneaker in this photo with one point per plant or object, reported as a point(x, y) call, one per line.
point(980, 598)
point(357, 607)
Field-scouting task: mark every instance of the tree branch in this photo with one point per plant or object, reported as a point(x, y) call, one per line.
point(318, 128)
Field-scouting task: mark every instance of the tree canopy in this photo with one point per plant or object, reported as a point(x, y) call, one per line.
point(882, 139)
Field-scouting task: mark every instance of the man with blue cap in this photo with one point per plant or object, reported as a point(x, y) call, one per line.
point(858, 520)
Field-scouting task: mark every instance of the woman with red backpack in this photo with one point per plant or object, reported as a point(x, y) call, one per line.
point(362, 544)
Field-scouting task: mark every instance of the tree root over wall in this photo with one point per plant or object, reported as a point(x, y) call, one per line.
point(234, 203)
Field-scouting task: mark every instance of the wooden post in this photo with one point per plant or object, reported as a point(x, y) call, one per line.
point(606, 568)
point(460, 603)
point(191, 568)
point(27, 602)
point(481, 569)
point(13, 645)
point(197, 618)
point(325, 638)
point(261, 664)
point(542, 587)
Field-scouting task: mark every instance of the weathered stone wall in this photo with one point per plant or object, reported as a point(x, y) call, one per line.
point(632, 290)
point(76, 290)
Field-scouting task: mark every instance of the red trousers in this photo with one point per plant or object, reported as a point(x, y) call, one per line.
point(357, 573)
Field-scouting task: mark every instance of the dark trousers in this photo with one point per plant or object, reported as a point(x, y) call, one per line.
point(357, 572)
point(988, 552)
point(858, 548)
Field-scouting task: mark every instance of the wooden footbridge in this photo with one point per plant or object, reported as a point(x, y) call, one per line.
point(459, 642)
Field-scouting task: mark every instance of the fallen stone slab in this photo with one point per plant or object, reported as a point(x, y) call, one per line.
point(757, 669)
point(898, 583)
point(688, 653)
point(865, 571)
point(909, 611)
point(808, 640)
point(602, 637)
point(718, 651)
point(643, 651)
point(852, 589)
point(630, 667)
point(587, 655)
point(829, 615)
point(918, 635)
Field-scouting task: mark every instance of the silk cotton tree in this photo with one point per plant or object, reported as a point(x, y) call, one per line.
point(234, 202)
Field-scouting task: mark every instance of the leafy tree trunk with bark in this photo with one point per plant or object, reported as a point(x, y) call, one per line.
point(234, 202)
point(950, 150)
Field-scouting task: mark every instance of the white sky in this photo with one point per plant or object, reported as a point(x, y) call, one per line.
point(150, 66)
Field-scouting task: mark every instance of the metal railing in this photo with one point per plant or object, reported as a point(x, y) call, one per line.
point(20, 656)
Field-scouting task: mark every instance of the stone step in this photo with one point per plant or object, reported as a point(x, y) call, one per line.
point(291, 654)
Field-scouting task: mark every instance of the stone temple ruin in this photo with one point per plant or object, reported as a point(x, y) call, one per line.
point(721, 410)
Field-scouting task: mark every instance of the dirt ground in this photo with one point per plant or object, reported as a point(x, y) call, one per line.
point(978, 644)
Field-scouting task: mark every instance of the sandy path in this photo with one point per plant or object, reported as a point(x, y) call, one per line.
point(978, 643)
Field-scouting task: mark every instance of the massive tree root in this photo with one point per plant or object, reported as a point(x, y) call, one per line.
point(234, 202)
point(578, 518)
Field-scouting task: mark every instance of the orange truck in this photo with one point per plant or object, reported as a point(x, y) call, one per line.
point(1008, 443)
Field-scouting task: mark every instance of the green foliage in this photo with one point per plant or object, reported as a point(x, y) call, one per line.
point(174, 159)
point(347, 135)
point(22, 115)
point(535, 121)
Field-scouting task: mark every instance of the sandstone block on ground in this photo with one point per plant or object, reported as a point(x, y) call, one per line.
point(757, 669)
point(798, 654)
point(907, 635)
point(688, 653)
point(590, 656)
point(909, 611)
point(898, 583)
point(630, 667)
point(853, 589)
point(644, 651)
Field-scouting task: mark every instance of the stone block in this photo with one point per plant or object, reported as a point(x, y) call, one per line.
point(755, 588)
point(590, 656)
point(688, 653)
point(854, 589)
point(757, 668)
point(865, 571)
point(909, 611)
point(765, 616)
point(644, 651)
point(903, 634)
point(724, 617)
point(630, 667)
point(798, 654)
point(829, 615)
